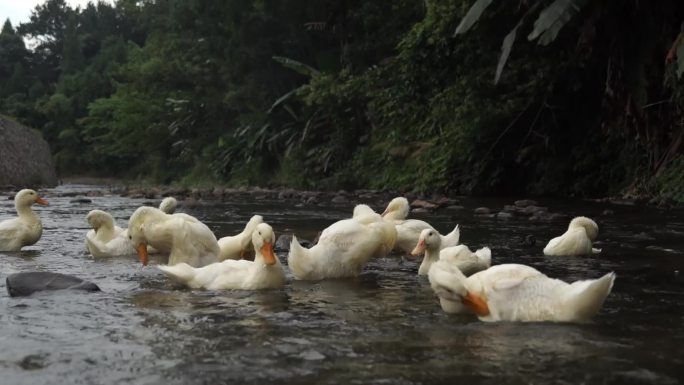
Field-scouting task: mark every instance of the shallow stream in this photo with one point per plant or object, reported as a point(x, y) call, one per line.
point(384, 327)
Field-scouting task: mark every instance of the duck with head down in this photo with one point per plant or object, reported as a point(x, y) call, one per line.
point(106, 239)
point(26, 229)
point(182, 236)
point(265, 272)
point(239, 246)
point(408, 230)
point(344, 248)
point(577, 239)
point(513, 292)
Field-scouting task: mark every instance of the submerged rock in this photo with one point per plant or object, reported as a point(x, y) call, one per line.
point(525, 203)
point(23, 284)
point(423, 204)
point(283, 243)
point(483, 211)
point(25, 158)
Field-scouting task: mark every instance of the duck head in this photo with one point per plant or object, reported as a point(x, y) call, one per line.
point(397, 209)
point(136, 230)
point(589, 226)
point(428, 240)
point(99, 218)
point(168, 205)
point(263, 239)
point(28, 197)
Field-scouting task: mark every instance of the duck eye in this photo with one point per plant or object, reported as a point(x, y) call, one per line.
point(130, 237)
point(259, 232)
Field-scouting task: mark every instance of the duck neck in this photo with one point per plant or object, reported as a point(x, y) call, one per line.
point(25, 213)
point(106, 230)
point(431, 256)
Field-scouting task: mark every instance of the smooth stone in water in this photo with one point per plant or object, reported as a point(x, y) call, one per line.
point(525, 203)
point(81, 200)
point(504, 215)
point(23, 284)
point(482, 211)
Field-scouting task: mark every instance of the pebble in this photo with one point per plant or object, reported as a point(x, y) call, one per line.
point(482, 211)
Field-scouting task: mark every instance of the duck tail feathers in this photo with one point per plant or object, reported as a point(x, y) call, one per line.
point(585, 298)
point(484, 255)
point(180, 272)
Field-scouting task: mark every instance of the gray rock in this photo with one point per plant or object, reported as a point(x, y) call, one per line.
point(525, 203)
point(482, 211)
point(455, 207)
point(608, 212)
point(23, 284)
point(81, 200)
point(504, 215)
point(423, 204)
point(340, 199)
point(25, 158)
point(311, 355)
point(283, 243)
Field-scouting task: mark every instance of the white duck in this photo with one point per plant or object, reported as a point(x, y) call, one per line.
point(239, 246)
point(106, 239)
point(577, 240)
point(182, 236)
point(408, 230)
point(265, 272)
point(168, 205)
point(343, 249)
point(26, 229)
point(460, 256)
point(513, 292)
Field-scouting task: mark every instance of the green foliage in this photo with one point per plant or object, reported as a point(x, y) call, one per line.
point(380, 94)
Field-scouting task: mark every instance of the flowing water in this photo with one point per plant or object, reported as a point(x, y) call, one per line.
point(384, 327)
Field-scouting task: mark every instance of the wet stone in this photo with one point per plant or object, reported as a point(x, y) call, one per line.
point(525, 202)
point(311, 355)
point(81, 200)
point(339, 199)
point(504, 215)
point(23, 284)
point(423, 204)
point(482, 211)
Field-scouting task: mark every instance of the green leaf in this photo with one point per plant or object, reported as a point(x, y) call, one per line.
point(296, 66)
point(553, 18)
point(283, 98)
point(472, 16)
point(506, 47)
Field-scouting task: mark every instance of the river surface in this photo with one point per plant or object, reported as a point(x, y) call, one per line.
point(384, 327)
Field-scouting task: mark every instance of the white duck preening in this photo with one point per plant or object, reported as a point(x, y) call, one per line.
point(182, 236)
point(265, 272)
point(344, 248)
point(106, 239)
point(26, 229)
point(168, 205)
point(408, 230)
point(577, 240)
point(239, 246)
point(460, 256)
point(513, 292)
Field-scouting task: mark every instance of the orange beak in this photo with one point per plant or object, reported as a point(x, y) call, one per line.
point(267, 252)
point(420, 248)
point(41, 201)
point(476, 303)
point(142, 253)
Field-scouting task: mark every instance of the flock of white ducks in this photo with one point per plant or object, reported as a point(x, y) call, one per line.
point(464, 281)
